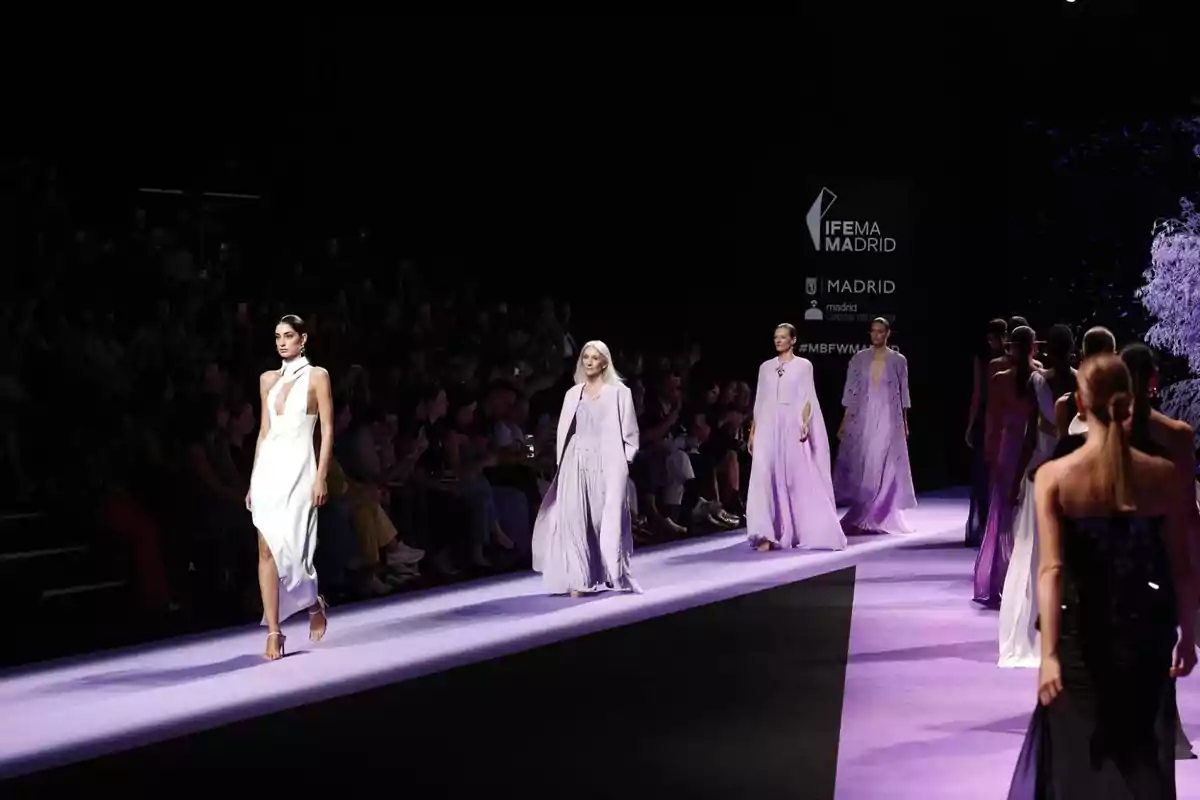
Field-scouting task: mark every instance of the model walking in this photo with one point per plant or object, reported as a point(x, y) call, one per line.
point(582, 539)
point(873, 476)
point(287, 485)
point(1008, 415)
point(790, 498)
point(1116, 599)
point(1018, 604)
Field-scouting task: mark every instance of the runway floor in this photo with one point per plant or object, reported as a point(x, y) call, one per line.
point(926, 711)
point(726, 676)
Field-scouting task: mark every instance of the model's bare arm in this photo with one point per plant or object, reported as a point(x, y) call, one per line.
point(323, 388)
point(1062, 416)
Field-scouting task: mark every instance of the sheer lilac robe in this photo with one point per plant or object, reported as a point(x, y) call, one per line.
point(790, 499)
point(582, 539)
point(873, 476)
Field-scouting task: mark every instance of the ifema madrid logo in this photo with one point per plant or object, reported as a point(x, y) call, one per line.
point(841, 235)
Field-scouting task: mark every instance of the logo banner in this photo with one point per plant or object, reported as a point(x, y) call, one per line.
point(845, 231)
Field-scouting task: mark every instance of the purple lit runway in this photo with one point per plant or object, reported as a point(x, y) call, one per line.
point(59, 713)
point(926, 712)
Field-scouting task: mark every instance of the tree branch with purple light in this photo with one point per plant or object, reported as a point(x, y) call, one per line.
point(1171, 295)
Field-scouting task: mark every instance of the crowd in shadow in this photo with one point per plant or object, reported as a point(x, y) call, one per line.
point(134, 346)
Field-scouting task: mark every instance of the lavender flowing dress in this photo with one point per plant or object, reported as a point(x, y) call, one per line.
point(873, 476)
point(790, 499)
point(995, 551)
point(582, 539)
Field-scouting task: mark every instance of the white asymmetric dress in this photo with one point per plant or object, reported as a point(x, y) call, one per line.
point(1018, 604)
point(281, 488)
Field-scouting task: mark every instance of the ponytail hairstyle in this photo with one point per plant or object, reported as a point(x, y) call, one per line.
point(1022, 341)
point(1106, 392)
point(1060, 346)
point(1098, 340)
point(1143, 367)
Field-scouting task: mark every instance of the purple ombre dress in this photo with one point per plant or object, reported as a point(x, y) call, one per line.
point(991, 565)
point(790, 500)
point(873, 476)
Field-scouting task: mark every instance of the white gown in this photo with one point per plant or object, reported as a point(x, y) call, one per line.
point(281, 489)
point(1018, 603)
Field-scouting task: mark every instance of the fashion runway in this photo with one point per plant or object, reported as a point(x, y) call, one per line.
point(926, 711)
point(862, 674)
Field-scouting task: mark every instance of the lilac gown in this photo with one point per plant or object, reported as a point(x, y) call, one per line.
point(995, 551)
point(582, 540)
point(873, 476)
point(790, 499)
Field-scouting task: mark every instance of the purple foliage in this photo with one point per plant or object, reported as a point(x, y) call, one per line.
point(1181, 400)
point(1172, 290)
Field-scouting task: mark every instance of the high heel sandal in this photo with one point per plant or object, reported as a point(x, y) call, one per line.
point(323, 610)
point(282, 645)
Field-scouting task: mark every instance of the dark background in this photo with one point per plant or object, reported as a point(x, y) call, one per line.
point(655, 170)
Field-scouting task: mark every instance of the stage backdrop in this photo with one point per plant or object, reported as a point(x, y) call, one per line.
point(840, 248)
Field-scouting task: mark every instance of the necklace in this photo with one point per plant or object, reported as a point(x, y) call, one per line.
point(780, 369)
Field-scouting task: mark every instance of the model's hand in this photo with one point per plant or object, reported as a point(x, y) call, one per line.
point(1185, 659)
point(750, 445)
point(320, 493)
point(248, 508)
point(803, 432)
point(841, 431)
point(1050, 679)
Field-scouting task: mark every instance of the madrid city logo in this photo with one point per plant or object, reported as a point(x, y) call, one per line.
point(840, 235)
point(853, 299)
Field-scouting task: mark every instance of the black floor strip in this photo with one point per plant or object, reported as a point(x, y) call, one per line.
point(737, 699)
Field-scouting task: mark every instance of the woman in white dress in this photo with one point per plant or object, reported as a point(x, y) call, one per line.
point(582, 539)
point(287, 485)
point(1018, 601)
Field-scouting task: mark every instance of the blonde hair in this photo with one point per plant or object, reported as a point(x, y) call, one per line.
point(1106, 391)
point(610, 374)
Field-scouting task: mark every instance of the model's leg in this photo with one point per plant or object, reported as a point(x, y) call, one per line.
point(318, 620)
point(268, 585)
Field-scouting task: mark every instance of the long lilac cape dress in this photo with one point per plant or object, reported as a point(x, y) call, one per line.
point(995, 551)
point(873, 476)
point(582, 539)
point(790, 499)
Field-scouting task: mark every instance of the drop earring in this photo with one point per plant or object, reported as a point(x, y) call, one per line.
point(303, 351)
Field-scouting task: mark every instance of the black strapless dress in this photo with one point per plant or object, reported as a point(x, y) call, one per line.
point(1111, 734)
